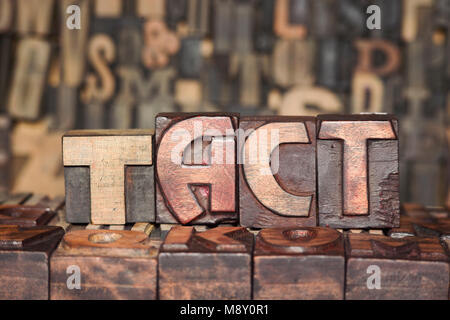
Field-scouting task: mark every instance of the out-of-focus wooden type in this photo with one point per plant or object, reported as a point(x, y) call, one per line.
point(37, 159)
point(99, 86)
point(29, 78)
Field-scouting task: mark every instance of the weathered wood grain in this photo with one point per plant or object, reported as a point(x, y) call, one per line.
point(214, 264)
point(277, 181)
point(115, 167)
point(299, 263)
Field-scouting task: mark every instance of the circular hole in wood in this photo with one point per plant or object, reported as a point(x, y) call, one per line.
point(299, 234)
point(107, 237)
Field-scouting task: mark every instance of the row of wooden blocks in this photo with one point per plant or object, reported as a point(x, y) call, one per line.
point(145, 261)
point(339, 171)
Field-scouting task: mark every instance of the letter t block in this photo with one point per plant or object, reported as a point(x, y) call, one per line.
point(108, 176)
point(358, 185)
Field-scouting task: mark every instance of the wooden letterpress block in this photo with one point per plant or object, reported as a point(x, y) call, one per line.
point(357, 158)
point(27, 21)
point(351, 18)
point(299, 99)
point(29, 211)
point(5, 65)
point(277, 171)
point(410, 21)
point(367, 93)
point(109, 176)
point(196, 176)
point(25, 216)
point(263, 25)
point(367, 50)
point(5, 153)
point(293, 62)
point(101, 53)
point(24, 261)
point(6, 15)
point(108, 8)
point(104, 264)
point(281, 21)
point(380, 267)
point(215, 264)
point(422, 222)
point(324, 18)
point(129, 57)
point(302, 263)
point(29, 78)
point(190, 58)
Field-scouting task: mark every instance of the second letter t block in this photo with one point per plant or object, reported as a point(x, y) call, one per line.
point(108, 176)
point(358, 185)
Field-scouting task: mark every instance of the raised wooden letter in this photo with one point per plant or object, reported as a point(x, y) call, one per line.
point(109, 176)
point(205, 190)
point(277, 171)
point(358, 171)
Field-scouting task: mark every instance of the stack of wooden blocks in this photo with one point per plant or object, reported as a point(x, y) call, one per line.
point(188, 212)
point(96, 64)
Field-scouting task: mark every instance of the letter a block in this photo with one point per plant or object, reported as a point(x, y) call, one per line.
point(196, 168)
point(214, 264)
point(299, 263)
point(277, 171)
point(384, 268)
point(24, 261)
point(358, 185)
point(109, 176)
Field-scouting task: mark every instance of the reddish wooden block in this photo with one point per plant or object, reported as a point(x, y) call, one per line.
point(302, 263)
point(382, 268)
point(214, 264)
point(24, 261)
point(358, 185)
point(112, 264)
point(191, 188)
point(26, 210)
point(277, 171)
